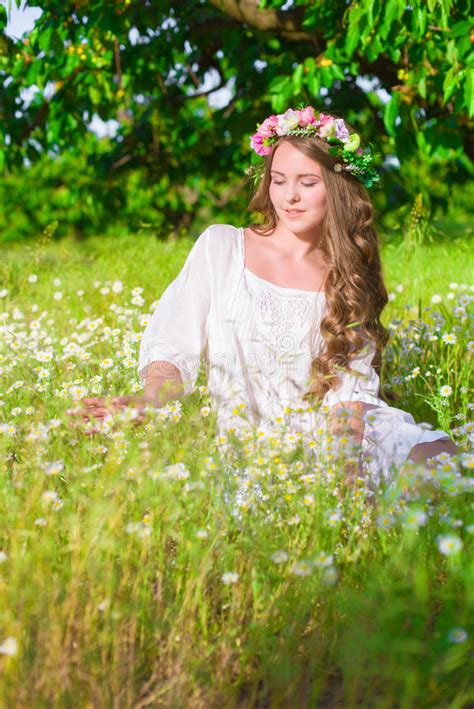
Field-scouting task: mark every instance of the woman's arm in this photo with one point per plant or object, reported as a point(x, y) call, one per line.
point(162, 384)
point(346, 418)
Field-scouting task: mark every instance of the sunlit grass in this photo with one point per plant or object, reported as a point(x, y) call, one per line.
point(149, 567)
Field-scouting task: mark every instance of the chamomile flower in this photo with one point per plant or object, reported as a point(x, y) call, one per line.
point(230, 577)
point(9, 647)
point(302, 568)
point(323, 559)
point(449, 544)
point(457, 635)
point(385, 521)
point(446, 390)
point(413, 519)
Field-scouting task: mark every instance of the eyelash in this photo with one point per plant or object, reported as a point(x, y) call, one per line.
point(304, 185)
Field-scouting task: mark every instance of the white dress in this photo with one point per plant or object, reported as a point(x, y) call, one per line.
point(258, 340)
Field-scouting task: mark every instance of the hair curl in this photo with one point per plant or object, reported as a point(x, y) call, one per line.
point(354, 287)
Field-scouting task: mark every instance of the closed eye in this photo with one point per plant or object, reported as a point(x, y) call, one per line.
point(305, 184)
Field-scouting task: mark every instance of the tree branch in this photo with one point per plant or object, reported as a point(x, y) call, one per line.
point(287, 23)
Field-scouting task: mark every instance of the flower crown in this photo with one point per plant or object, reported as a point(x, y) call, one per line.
point(345, 146)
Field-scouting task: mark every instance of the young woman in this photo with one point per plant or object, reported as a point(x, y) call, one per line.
point(287, 313)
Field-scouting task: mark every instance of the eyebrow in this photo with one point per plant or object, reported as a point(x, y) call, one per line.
point(306, 174)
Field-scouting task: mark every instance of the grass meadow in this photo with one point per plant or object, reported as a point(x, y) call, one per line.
point(137, 568)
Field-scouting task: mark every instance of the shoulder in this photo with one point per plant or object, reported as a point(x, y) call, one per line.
point(222, 231)
point(219, 240)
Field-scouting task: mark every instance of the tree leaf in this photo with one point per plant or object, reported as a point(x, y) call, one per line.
point(461, 28)
point(391, 112)
point(469, 92)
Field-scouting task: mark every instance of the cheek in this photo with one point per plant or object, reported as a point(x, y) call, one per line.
point(272, 194)
point(320, 201)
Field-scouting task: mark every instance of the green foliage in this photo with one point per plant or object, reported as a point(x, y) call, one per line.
point(144, 65)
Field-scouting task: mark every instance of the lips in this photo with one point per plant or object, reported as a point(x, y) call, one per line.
point(293, 212)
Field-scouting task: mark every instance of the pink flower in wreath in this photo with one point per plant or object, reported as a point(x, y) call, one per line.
point(256, 142)
point(327, 125)
point(268, 127)
point(307, 116)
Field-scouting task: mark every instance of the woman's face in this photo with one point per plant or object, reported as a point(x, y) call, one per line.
point(297, 190)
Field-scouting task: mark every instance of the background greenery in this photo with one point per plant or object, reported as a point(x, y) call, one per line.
point(400, 73)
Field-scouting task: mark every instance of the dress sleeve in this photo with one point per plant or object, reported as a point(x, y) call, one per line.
point(362, 383)
point(177, 330)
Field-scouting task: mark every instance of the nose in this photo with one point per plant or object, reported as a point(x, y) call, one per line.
point(292, 194)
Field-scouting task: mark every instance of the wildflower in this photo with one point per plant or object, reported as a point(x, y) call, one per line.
point(117, 287)
point(57, 295)
point(301, 568)
point(106, 363)
point(470, 346)
point(3, 556)
point(54, 468)
point(50, 496)
point(3, 293)
point(33, 278)
point(57, 504)
point(41, 522)
point(177, 471)
point(77, 391)
point(279, 557)
point(230, 577)
point(57, 282)
point(446, 390)
point(449, 544)
point(334, 518)
point(308, 500)
point(436, 299)
point(467, 460)
point(205, 410)
point(103, 605)
point(457, 635)
point(323, 559)
point(385, 521)
point(202, 534)
point(9, 647)
point(449, 338)
point(415, 518)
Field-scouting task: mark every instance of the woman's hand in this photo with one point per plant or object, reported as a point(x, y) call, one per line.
point(347, 418)
point(97, 408)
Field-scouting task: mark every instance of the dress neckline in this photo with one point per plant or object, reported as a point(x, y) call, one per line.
point(284, 289)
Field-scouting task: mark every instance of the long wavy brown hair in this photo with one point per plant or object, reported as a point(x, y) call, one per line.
point(354, 286)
